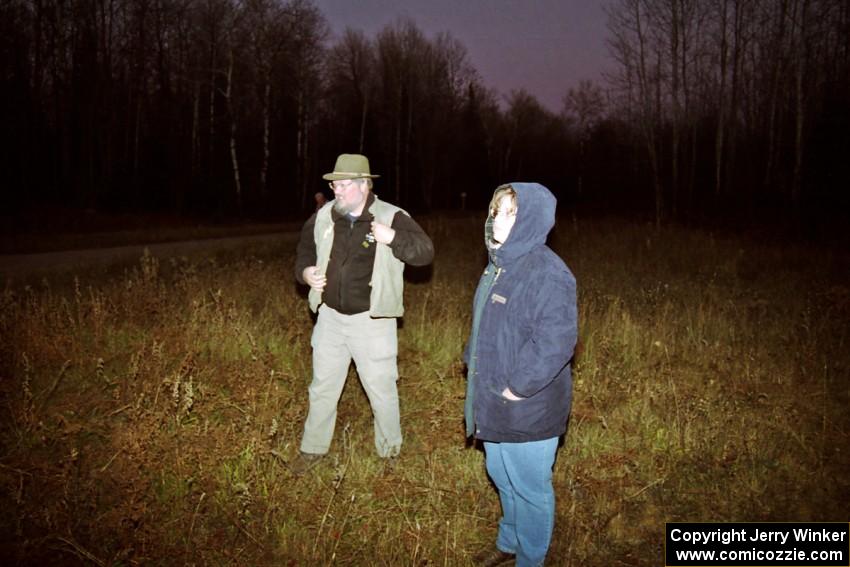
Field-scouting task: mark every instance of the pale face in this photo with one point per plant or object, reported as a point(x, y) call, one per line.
point(350, 195)
point(504, 220)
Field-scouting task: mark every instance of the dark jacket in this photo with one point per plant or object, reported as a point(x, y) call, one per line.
point(352, 256)
point(524, 331)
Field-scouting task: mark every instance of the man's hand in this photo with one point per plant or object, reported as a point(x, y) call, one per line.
point(314, 278)
point(506, 393)
point(382, 233)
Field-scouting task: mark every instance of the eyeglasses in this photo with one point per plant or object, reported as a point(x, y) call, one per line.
point(340, 185)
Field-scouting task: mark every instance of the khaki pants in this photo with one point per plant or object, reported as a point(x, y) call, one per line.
point(373, 345)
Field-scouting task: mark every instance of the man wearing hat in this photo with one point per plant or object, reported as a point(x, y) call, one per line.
point(352, 254)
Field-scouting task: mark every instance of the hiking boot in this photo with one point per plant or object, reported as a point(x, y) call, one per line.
point(492, 556)
point(390, 463)
point(304, 462)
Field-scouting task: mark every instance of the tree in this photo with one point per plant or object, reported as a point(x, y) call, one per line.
point(584, 106)
point(351, 77)
point(637, 81)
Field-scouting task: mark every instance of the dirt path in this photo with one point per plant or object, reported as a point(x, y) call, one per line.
point(23, 266)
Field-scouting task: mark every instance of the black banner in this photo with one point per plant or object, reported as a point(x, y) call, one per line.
point(762, 544)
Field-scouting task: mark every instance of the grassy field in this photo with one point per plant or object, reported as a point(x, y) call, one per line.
point(147, 418)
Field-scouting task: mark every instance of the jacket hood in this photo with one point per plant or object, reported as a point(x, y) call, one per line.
point(535, 218)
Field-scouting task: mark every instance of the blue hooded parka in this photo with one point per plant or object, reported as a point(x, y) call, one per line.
point(524, 331)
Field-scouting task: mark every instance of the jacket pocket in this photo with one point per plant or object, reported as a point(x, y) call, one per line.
point(498, 386)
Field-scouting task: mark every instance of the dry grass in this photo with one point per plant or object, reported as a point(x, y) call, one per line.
point(147, 418)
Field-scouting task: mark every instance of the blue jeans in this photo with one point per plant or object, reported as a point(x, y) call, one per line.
point(523, 474)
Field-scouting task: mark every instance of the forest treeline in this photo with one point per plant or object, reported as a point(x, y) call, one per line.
point(236, 107)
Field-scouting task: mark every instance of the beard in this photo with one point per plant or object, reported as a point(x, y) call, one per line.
point(353, 200)
point(342, 208)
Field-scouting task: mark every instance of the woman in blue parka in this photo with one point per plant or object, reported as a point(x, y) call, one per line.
point(519, 388)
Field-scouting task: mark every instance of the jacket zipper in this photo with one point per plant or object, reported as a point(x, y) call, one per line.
point(486, 299)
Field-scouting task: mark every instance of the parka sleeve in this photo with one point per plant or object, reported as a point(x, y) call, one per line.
point(411, 244)
point(553, 338)
point(306, 252)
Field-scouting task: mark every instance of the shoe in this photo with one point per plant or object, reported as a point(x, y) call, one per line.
point(390, 463)
point(492, 556)
point(303, 463)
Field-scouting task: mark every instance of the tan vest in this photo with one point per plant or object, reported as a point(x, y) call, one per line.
point(387, 296)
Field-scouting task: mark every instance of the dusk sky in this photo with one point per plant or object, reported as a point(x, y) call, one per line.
point(544, 46)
